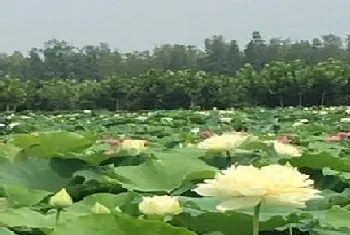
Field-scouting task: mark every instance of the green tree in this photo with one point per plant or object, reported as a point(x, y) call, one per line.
point(58, 57)
point(12, 93)
point(299, 74)
point(329, 76)
point(250, 82)
point(255, 52)
point(277, 81)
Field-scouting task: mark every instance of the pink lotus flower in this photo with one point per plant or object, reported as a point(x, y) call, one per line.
point(283, 139)
point(113, 142)
point(205, 134)
point(337, 138)
point(344, 134)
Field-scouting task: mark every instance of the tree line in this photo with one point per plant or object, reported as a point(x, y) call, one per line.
point(278, 72)
point(59, 59)
point(277, 83)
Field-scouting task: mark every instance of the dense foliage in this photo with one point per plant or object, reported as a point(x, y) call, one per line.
point(277, 83)
point(42, 153)
point(60, 59)
point(62, 76)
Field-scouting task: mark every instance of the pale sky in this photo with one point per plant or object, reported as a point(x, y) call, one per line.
point(142, 24)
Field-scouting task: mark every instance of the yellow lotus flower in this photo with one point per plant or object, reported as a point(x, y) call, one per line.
point(224, 142)
point(286, 149)
point(61, 199)
point(160, 205)
point(133, 145)
point(98, 208)
point(247, 186)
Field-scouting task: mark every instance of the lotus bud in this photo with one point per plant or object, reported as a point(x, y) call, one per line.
point(61, 199)
point(117, 209)
point(98, 208)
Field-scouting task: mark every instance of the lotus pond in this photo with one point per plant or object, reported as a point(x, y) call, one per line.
point(237, 172)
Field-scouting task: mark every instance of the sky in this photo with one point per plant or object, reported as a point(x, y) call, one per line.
point(129, 25)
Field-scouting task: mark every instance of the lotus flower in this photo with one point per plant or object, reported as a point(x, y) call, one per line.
point(133, 145)
point(304, 121)
point(333, 138)
point(224, 142)
point(61, 199)
point(297, 124)
point(285, 149)
point(345, 120)
point(344, 134)
point(247, 186)
point(225, 119)
point(205, 134)
point(98, 208)
point(283, 139)
point(113, 142)
point(160, 205)
point(337, 138)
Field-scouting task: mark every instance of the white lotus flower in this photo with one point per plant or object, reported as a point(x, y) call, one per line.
point(166, 120)
point(142, 118)
point(61, 199)
point(10, 116)
point(304, 121)
point(225, 119)
point(137, 146)
point(345, 120)
point(98, 208)
point(13, 124)
point(25, 117)
point(286, 149)
point(87, 111)
point(195, 130)
point(224, 142)
point(204, 113)
point(247, 186)
point(160, 205)
point(297, 124)
point(226, 111)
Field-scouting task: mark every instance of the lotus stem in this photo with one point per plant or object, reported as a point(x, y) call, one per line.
point(228, 158)
point(256, 219)
point(290, 230)
point(58, 215)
